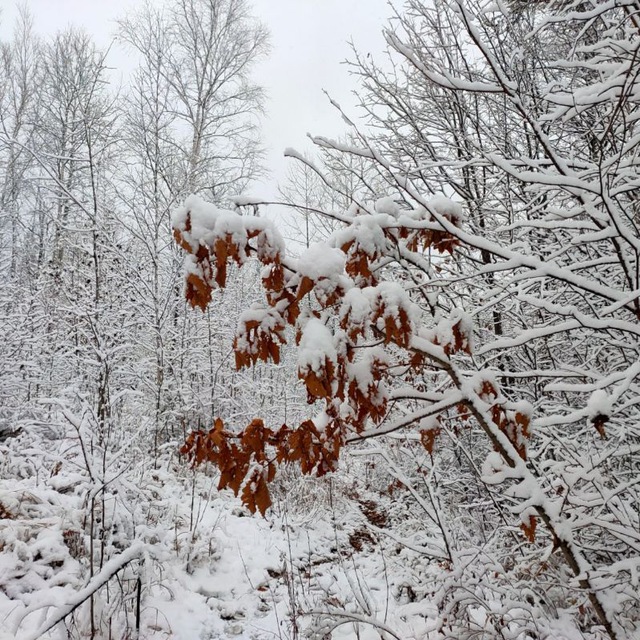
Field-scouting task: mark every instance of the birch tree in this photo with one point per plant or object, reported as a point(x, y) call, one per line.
point(19, 218)
point(192, 124)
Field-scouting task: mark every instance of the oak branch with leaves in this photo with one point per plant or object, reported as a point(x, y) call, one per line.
point(355, 332)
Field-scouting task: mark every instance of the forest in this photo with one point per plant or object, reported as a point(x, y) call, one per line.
point(401, 400)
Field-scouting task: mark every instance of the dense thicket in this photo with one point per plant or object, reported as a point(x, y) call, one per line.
point(486, 308)
point(466, 333)
point(102, 370)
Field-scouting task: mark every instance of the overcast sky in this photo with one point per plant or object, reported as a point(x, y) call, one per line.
point(308, 44)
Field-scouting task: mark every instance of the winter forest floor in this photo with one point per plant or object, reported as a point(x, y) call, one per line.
point(204, 566)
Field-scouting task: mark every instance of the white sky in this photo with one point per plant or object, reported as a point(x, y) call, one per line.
point(308, 43)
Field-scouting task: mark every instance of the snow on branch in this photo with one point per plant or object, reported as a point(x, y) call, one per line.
point(108, 571)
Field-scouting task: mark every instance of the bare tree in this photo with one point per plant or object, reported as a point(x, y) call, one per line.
point(19, 74)
point(327, 181)
point(192, 123)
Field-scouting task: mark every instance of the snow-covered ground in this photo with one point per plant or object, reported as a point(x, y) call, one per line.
point(184, 561)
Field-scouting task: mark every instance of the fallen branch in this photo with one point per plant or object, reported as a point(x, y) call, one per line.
point(108, 571)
